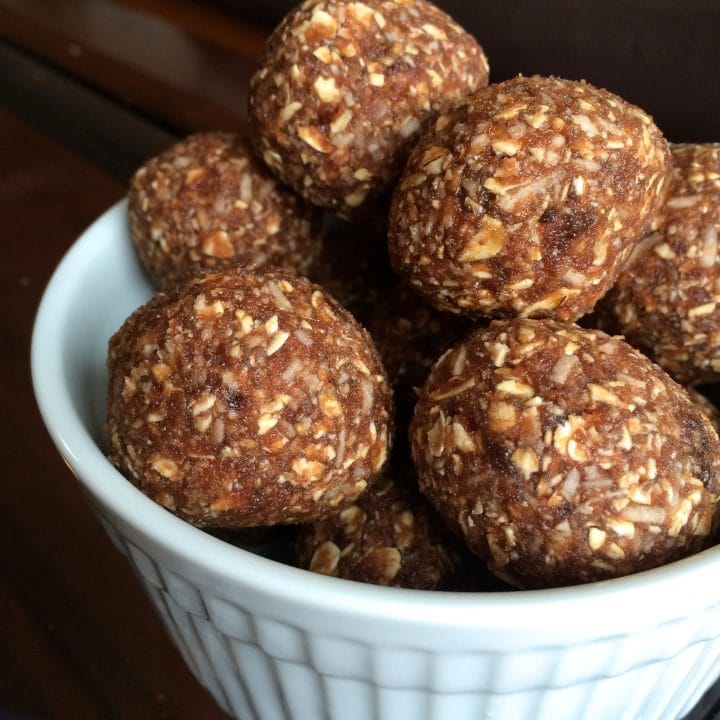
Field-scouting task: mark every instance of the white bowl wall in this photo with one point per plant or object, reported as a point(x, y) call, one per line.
point(271, 641)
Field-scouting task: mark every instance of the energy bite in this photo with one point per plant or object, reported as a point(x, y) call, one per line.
point(343, 89)
point(244, 398)
point(667, 301)
point(207, 202)
point(390, 536)
point(524, 199)
point(353, 266)
point(707, 406)
point(410, 336)
point(563, 455)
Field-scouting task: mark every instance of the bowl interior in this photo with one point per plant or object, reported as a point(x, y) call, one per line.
point(112, 288)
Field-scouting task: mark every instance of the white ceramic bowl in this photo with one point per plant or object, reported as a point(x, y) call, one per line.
point(271, 641)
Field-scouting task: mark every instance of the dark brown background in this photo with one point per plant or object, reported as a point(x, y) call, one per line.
point(88, 90)
point(663, 55)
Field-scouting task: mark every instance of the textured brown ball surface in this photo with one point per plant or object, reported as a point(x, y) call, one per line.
point(563, 455)
point(390, 536)
point(343, 89)
point(247, 398)
point(667, 301)
point(525, 198)
point(207, 202)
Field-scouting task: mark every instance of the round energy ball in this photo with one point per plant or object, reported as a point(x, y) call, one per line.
point(343, 90)
point(207, 202)
point(247, 398)
point(667, 300)
point(563, 455)
point(524, 199)
point(390, 536)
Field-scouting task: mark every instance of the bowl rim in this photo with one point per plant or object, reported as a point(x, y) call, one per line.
point(647, 598)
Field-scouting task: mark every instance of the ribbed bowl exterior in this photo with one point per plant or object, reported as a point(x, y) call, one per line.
point(264, 667)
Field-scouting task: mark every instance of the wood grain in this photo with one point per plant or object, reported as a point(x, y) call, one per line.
point(157, 68)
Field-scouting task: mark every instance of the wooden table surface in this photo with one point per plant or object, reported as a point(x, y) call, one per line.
point(88, 90)
point(81, 105)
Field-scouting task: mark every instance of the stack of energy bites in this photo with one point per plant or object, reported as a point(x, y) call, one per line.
point(490, 223)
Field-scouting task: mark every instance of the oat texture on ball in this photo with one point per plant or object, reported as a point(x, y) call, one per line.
point(247, 398)
point(207, 202)
point(667, 301)
point(343, 90)
point(524, 199)
point(563, 455)
point(390, 536)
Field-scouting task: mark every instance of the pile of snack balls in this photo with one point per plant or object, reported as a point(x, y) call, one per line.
point(438, 391)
